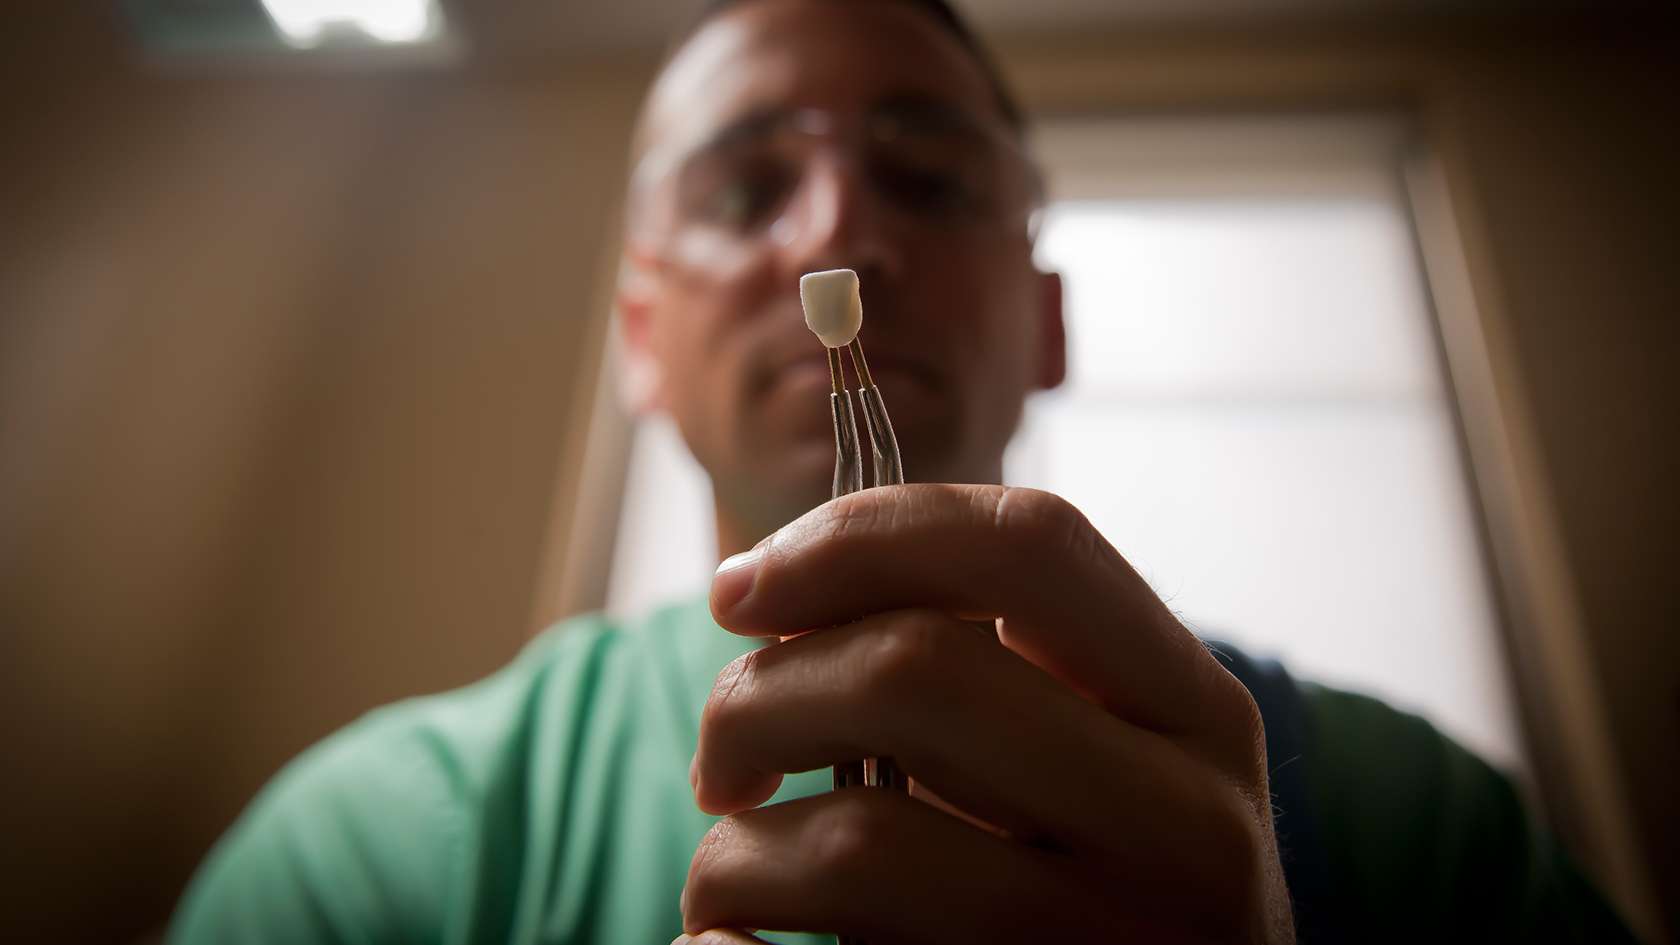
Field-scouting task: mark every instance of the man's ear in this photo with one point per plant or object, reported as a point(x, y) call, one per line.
point(1052, 333)
point(641, 378)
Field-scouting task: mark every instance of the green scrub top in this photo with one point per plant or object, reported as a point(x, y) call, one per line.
point(550, 803)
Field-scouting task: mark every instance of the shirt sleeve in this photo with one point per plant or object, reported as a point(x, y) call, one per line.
point(1426, 842)
point(329, 851)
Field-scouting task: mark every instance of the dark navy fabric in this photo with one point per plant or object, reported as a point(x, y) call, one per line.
point(1306, 859)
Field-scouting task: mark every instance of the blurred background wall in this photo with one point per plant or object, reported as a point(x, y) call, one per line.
point(295, 361)
point(287, 362)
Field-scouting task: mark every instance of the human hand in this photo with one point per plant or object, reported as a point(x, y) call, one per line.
point(1122, 768)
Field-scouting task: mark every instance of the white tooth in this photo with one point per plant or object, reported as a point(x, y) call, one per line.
point(833, 309)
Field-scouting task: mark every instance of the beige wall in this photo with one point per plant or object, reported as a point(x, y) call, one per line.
point(288, 377)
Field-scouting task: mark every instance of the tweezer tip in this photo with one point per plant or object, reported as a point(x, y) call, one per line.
point(836, 373)
point(860, 363)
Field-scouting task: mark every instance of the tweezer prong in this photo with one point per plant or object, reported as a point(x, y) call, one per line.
point(848, 478)
point(859, 362)
point(888, 470)
point(883, 445)
point(848, 451)
point(835, 372)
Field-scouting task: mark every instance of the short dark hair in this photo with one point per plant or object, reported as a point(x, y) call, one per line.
point(941, 12)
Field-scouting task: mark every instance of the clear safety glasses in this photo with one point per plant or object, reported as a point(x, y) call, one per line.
point(775, 175)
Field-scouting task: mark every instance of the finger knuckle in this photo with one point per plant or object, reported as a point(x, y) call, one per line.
point(846, 837)
point(907, 654)
point(860, 513)
point(1039, 521)
point(728, 698)
point(1242, 733)
point(1235, 833)
point(1252, 726)
point(1231, 848)
point(707, 871)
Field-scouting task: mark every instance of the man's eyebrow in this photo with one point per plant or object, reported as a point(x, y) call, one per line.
point(760, 120)
point(927, 107)
point(754, 123)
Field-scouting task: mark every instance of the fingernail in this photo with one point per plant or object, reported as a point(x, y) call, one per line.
point(694, 772)
point(681, 940)
point(682, 903)
point(734, 579)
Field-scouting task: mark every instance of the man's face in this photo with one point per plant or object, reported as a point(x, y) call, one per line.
point(761, 161)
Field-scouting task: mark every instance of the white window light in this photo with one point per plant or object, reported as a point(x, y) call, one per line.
point(305, 23)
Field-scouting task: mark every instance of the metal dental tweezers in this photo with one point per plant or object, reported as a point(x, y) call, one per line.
point(848, 478)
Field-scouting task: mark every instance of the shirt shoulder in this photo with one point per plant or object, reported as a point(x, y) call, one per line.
point(1390, 831)
point(1425, 839)
point(411, 824)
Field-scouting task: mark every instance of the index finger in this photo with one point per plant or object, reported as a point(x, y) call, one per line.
point(1064, 598)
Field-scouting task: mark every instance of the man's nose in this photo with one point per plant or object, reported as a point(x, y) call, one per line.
point(835, 222)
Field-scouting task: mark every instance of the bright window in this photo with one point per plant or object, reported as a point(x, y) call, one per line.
point(1256, 415)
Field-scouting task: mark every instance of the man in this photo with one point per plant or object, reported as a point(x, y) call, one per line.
point(1086, 770)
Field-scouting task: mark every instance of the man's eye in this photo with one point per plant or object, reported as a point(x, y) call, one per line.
point(745, 197)
point(926, 190)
